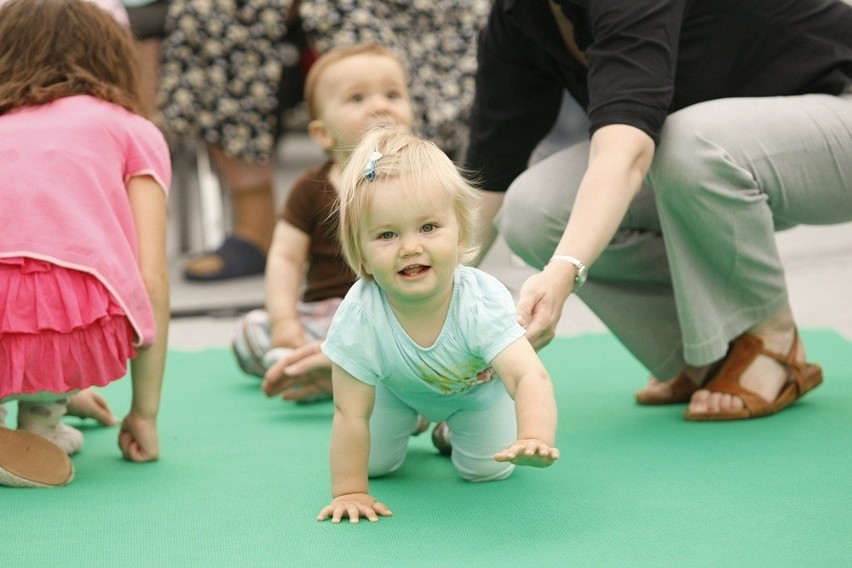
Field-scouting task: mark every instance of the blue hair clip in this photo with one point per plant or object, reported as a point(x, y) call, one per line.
point(370, 168)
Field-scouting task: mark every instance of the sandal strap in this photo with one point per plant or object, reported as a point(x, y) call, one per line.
point(801, 378)
point(794, 368)
point(744, 350)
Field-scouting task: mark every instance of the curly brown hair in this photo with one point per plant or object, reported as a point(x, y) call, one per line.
point(51, 49)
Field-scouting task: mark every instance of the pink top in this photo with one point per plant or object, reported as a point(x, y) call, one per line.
point(64, 168)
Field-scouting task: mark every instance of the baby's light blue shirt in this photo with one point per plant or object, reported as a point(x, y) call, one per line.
point(367, 340)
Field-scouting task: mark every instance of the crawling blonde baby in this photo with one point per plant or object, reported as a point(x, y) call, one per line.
point(421, 334)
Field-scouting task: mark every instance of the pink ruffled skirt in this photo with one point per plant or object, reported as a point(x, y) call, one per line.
point(60, 330)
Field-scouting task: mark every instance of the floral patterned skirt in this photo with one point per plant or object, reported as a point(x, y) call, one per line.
point(435, 38)
point(221, 73)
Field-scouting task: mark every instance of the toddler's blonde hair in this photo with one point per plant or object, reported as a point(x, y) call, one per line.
point(428, 173)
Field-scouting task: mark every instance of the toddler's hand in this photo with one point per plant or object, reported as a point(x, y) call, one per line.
point(89, 404)
point(138, 439)
point(304, 374)
point(529, 452)
point(354, 505)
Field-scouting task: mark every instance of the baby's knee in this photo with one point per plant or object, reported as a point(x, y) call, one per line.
point(479, 469)
point(381, 465)
point(251, 341)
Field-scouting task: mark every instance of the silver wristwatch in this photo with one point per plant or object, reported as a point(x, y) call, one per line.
point(582, 271)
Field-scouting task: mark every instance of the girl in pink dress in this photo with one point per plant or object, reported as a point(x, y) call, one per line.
point(83, 275)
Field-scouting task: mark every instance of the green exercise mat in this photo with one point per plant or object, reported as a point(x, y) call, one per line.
point(242, 478)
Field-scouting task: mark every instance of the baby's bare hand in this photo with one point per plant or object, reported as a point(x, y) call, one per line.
point(138, 439)
point(88, 403)
point(529, 452)
point(303, 374)
point(354, 506)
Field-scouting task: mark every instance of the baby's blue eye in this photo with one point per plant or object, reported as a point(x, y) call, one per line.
point(386, 235)
point(428, 227)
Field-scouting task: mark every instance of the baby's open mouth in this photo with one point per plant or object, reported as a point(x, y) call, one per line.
point(413, 270)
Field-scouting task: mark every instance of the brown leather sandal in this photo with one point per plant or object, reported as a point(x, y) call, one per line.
point(28, 460)
point(801, 378)
point(680, 390)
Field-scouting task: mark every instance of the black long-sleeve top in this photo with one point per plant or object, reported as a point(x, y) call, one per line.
point(646, 59)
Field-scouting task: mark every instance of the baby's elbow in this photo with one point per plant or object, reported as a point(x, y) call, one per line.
point(544, 379)
point(532, 378)
point(349, 415)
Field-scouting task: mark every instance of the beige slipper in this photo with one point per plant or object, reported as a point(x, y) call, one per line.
point(28, 460)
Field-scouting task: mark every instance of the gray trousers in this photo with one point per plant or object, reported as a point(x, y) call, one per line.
point(695, 262)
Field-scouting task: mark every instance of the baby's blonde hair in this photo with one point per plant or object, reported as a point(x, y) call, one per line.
point(427, 170)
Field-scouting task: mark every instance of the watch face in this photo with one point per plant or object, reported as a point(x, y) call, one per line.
point(582, 274)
